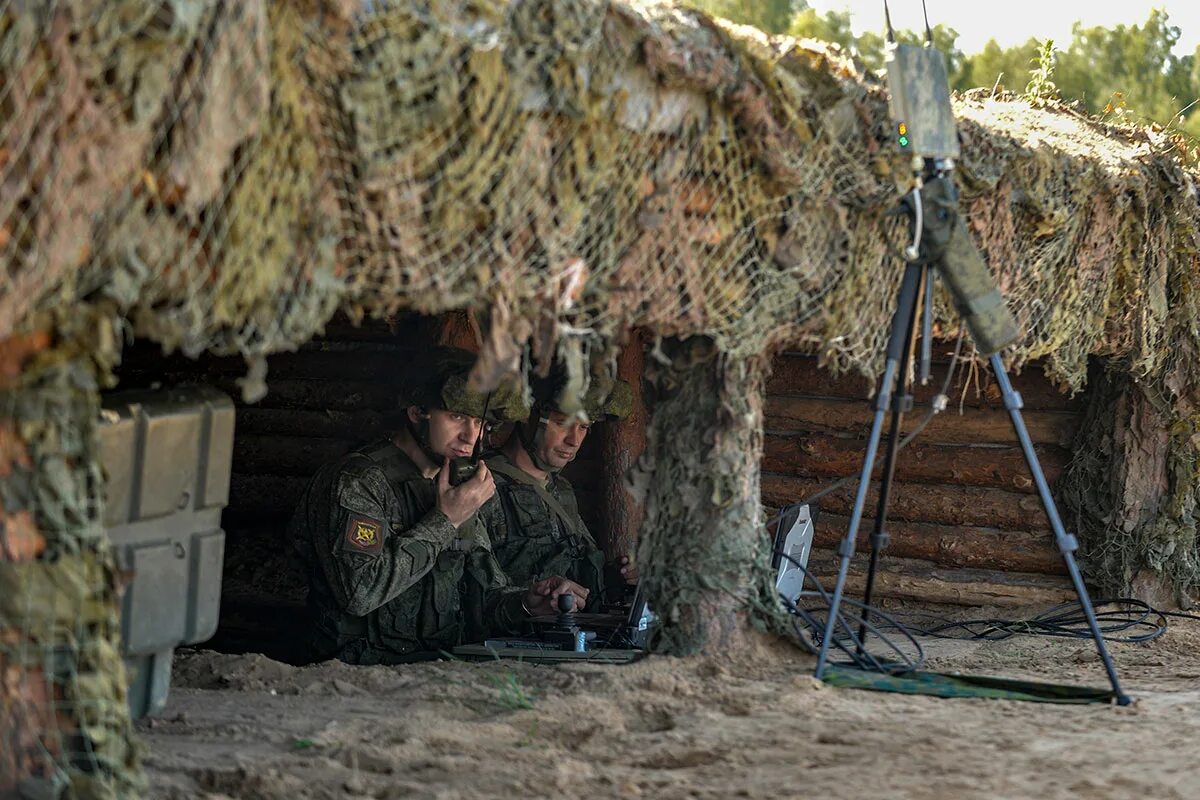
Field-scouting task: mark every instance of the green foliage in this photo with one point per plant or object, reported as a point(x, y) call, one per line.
point(510, 694)
point(833, 26)
point(871, 47)
point(1127, 70)
point(1041, 87)
point(771, 16)
point(997, 66)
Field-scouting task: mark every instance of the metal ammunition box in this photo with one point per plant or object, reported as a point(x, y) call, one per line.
point(166, 456)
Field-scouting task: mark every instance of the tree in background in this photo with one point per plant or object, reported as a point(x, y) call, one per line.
point(771, 16)
point(871, 46)
point(1126, 70)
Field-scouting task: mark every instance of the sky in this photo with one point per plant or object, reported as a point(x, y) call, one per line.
point(1014, 21)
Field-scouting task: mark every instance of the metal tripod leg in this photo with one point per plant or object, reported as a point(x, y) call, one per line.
point(902, 401)
point(902, 321)
point(1067, 543)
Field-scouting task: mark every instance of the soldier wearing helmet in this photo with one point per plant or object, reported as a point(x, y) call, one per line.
point(398, 564)
point(534, 524)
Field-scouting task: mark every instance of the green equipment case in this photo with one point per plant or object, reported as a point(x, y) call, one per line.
point(166, 456)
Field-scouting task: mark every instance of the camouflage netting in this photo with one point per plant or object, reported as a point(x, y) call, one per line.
point(64, 721)
point(225, 176)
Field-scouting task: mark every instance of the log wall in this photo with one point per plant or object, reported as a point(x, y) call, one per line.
point(965, 521)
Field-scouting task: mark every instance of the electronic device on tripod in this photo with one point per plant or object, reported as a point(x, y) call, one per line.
point(941, 247)
point(618, 634)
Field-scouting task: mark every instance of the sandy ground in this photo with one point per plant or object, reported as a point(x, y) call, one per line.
point(752, 726)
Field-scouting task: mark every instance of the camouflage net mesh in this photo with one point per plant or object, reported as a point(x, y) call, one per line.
point(225, 176)
point(64, 722)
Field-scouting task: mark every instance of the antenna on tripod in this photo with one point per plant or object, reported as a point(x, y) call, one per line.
point(927, 135)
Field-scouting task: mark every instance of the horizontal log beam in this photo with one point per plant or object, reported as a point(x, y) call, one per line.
point(321, 395)
point(918, 502)
point(286, 455)
point(973, 426)
point(816, 455)
point(356, 425)
point(951, 546)
point(801, 376)
point(923, 582)
point(259, 496)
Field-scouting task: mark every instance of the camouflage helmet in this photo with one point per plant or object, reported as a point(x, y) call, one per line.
point(605, 399)
point(441, 379)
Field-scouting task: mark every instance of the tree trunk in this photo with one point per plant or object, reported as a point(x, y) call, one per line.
point(622, 444)
point(702, 542)
point(1130, 493)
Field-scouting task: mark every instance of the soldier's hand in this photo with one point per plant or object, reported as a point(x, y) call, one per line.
point(458, 503)
point(542, 597)
point(629, 570)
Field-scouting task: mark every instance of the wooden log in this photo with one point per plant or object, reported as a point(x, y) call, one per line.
point(262, 496)
point(918, 502)
point(286, 455)
point(459, 329)
point(356, 425)
point(321, 395)
point(923, 582)
point(959, 546)
point(341, 365)
point(974, 426)
point(801, 376)
point(333, 364)
point(622, 444)
point(816, 455)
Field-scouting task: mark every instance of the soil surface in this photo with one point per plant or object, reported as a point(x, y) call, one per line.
point(752, 725)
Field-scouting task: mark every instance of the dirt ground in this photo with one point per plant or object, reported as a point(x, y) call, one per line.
point(754, 725)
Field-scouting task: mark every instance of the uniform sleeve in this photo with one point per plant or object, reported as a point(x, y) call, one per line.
point(492, 606)
point(506, 611)
point(367, 563)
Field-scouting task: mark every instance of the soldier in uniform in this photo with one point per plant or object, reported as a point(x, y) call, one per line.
point(534, 523)
point(399, 566)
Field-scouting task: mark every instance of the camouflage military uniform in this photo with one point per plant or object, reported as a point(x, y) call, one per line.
point(390, 578)
point(531, 539)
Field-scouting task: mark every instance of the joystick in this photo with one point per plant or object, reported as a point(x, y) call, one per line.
point(566, 610)
point(565, 632)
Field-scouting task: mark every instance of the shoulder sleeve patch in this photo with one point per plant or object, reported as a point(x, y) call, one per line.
point(364, 535)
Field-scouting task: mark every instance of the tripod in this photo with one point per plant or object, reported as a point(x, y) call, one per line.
point(899, 359)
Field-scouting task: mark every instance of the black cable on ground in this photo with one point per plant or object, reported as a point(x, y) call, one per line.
point(1122, 619)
